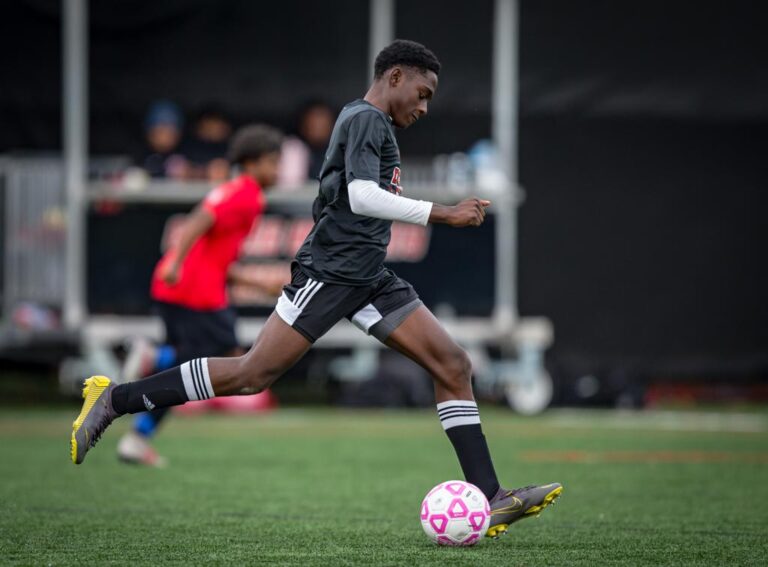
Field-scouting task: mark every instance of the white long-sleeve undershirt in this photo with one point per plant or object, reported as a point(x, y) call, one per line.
point(368, 199)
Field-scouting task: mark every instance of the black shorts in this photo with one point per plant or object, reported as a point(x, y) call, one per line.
point(312, 307)
point(198, 334)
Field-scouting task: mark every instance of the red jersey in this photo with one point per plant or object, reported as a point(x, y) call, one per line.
point(235, 206)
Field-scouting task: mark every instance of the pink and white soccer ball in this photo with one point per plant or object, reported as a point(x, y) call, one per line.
point(455, 513)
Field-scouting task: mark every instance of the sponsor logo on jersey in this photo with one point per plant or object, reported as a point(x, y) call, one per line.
point(147, 404)
point(394, 185)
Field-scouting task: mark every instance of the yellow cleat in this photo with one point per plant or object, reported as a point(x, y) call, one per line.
point(94, 418)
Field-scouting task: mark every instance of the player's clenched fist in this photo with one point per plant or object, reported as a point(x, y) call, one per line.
point(469, 212)
point(170, 273)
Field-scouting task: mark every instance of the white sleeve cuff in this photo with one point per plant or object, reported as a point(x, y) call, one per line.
point(368, 199)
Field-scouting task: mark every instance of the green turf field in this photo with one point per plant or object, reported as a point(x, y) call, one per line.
point(344, 488)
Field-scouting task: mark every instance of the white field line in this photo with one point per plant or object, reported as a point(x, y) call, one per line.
point(660, 420)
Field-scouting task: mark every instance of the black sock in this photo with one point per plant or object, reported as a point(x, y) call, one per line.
point(173, 387)
point(461, 421)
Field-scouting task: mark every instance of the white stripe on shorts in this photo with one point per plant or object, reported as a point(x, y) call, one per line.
point(308, 296)
point(366, 318)
point(303, 291)
point(289, 310)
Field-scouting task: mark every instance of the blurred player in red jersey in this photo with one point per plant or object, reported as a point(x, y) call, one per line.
point(189, 284)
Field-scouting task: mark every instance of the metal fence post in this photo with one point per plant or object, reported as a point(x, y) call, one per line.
point(381, 30)
point(504, 128)
point(75, 113)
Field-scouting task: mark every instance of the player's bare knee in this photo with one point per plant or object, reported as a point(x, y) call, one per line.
point(457, 371)
point(250, 384)
point(250, 379)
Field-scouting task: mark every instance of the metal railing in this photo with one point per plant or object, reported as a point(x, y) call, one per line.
point(34, 224)
point(34, 228)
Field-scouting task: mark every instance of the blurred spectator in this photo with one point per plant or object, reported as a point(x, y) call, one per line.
point(163, 127)
point(315, 127)
point(206, 150)
point(303, 155)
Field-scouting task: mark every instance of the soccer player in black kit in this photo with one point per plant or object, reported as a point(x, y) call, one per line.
point(338, 273)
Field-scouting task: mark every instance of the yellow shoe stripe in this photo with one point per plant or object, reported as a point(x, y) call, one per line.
point(548, 499)
point(497, 530)
point(511, 508)
point(94, 386)
point(73, 448)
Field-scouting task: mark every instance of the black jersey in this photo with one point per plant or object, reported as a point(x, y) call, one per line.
point(342, 247)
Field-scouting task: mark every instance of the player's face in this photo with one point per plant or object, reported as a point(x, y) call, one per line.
point(265, 169)
point(412, 91)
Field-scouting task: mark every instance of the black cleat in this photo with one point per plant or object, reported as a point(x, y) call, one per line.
point(509, 506)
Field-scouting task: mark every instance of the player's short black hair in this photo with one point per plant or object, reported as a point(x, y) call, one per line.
point(407, 53)
point(253, 141)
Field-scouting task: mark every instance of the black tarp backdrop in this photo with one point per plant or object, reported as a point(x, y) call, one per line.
point(641, 144)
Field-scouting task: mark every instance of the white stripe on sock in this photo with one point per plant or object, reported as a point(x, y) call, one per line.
point(460, 420)
point(454, 403)
point(189, 383)
point(451, 414)
point(456, 409)
point(207, 378)
point(454, 413)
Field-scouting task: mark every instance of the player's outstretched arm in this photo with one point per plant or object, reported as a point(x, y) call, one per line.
point(367, 198)
point(266, 283)
point(469, 212)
